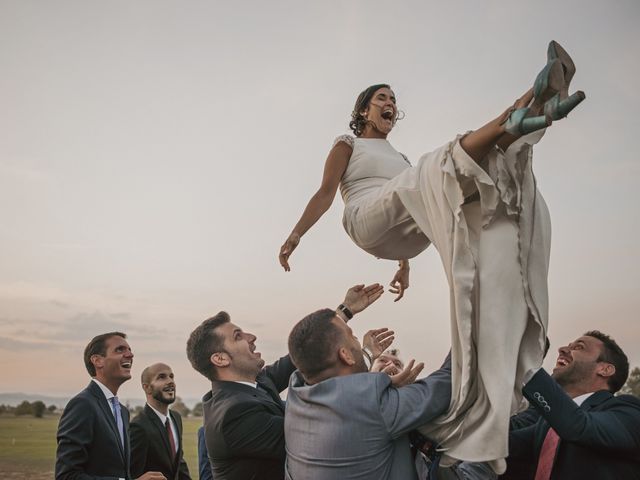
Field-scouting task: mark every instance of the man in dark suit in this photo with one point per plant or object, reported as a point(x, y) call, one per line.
point(156, 433)
point(585, 431)
point(243, 412)
point(93, 433)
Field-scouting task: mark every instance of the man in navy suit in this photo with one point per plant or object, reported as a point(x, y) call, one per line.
point(93, 433)
point(585, 431)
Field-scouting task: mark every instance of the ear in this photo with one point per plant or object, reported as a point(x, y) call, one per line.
point(97, 361)
point(605, 369)
point(345, 356)
point(220, 359)
point(146, 388)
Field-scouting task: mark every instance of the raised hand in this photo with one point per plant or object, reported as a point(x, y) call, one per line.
point(360, 297)
point(378, 340)
point(408, 375)
point(287, 249)
point(400, 280)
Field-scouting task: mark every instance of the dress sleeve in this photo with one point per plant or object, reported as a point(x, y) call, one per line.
point(348, 139)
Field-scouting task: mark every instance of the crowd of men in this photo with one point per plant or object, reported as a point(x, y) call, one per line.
point(352, 410)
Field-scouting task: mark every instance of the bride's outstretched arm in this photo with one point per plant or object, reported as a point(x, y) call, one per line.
point(320, 202)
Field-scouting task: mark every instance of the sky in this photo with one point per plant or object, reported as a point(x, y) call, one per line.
point(154, 155)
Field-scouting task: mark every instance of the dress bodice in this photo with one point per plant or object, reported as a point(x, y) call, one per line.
point(373, 162)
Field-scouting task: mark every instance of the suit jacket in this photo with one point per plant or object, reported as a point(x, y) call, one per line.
point(89, 446)
point(150, 447)
point(598, 440)
point(244, 426)
point(357, 426)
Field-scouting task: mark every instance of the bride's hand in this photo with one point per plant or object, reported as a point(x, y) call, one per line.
point(400, 280)
point(285, 251)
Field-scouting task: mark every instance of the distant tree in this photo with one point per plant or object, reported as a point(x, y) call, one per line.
point(137, 410)
point(38, 407)
point(24, 409)
point(632, 387)
point(52, 408)
point(197, 410)
point(180, 407)
point(3, 409)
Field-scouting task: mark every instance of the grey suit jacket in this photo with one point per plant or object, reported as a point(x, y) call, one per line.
point(356, 426)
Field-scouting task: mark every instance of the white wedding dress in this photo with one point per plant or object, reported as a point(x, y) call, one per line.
point(492, 230)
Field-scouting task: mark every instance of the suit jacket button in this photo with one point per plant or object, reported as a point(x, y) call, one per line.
point(536, 395)
point(547, 408)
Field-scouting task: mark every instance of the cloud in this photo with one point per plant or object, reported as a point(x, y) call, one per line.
point(72, 331)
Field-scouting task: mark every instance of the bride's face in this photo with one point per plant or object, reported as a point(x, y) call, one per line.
point(382, 110)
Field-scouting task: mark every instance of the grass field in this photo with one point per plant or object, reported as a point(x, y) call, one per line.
point(28, 447)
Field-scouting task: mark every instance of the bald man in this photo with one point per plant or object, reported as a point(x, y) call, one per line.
point(156, 432)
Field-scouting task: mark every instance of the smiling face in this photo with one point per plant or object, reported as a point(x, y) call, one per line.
point(578, 365)
point(239, 357)
point(159, 383)
point(114, 367)
point(381, 113)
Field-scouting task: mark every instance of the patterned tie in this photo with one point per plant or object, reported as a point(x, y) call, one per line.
point(547, 455)
point(117, 412)
point(170, 435)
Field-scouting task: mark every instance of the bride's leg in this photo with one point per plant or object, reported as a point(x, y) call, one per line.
point(480, 142)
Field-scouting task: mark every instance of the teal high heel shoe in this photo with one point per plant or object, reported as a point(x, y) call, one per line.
point(558, 108)
point(520, 123)
point(555, 51)
point(548, 83)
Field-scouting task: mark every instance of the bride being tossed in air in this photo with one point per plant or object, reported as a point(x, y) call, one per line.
point(475, 199)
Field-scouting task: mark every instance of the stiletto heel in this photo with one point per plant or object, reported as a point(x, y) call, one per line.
point(555, 51)
point(556, 108)
point(549, 82)
point(518, 123)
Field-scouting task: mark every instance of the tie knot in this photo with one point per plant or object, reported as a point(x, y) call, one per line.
point(114, 400)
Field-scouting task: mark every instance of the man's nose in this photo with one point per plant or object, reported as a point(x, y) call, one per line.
point(564, 350)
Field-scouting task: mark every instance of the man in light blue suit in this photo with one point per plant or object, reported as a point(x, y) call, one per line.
point(342, 421)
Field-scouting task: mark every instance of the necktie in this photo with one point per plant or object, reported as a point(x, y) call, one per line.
point(172, 441)
point(547, 455)
point(117, 413)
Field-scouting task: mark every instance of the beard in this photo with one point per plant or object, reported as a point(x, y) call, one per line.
point(159, 396)
point(576, 373)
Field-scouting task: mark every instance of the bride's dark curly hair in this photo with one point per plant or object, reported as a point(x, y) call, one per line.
point(358, 122)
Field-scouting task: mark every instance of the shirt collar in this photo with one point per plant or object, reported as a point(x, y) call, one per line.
point(107, 393)
point(251, 384)
point(581, 398)
point(161, 416)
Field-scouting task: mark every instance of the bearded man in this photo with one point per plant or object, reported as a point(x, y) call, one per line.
point(156, 432)
point(585, 431)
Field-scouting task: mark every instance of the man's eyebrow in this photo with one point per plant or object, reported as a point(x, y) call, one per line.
point(237, 330)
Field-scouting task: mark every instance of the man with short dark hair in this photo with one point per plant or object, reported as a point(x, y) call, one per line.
point(243, 413)
point(585, 431)
point(345, 422)
point(156, 432)
point(93, 433)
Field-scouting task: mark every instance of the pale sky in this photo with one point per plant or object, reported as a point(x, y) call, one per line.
point(154, 155)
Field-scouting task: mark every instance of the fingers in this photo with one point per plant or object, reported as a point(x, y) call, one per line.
point(357, 288)
point(384, 336)
point(285, 252)
point(374, 292)
point(408, 375)
point(377, 331)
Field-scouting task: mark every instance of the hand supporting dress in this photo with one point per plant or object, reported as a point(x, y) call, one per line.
point(491, 227)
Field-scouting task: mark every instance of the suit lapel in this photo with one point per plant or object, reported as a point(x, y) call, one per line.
point(162, 431)
point(108, 413)
point(268, 392)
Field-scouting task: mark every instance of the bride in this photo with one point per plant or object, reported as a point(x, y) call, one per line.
point(475, 199)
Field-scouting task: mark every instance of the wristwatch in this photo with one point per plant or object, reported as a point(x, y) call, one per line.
point(348, 313)
point(368, 356)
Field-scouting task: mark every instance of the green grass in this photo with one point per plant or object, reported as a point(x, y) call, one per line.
point(28, 446)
